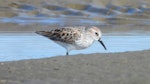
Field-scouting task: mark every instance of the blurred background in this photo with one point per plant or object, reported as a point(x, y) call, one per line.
point(125, 25)
point(71, 13)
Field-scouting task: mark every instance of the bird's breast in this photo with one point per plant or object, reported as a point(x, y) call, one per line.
point(84, 42)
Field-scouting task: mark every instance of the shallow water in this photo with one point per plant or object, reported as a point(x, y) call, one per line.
point(20, 46)
point(124, 28)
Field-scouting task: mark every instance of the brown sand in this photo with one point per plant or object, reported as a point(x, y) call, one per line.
point(109, 68)
point(64, 2)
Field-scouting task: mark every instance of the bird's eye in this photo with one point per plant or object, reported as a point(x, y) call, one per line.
point(96, 34)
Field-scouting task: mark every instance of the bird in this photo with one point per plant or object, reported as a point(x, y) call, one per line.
point(74, 38)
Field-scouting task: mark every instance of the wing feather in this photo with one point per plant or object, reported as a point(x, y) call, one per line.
point(67, 35)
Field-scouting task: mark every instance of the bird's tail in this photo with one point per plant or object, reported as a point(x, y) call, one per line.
point(43, 33)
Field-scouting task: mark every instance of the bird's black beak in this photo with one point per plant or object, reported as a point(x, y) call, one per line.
point(102, 44)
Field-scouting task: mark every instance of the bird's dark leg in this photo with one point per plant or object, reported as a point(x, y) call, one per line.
point(67, 53)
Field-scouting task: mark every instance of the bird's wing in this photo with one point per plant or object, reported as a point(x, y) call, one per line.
point(67, 35)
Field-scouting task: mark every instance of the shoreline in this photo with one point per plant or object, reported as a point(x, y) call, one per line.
point(107, 68)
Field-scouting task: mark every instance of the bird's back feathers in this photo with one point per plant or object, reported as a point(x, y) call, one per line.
point(67, 35)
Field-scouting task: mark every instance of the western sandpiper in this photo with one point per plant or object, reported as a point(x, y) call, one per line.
point(74, 38)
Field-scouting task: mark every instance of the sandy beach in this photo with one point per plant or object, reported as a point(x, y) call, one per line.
point(108, 68)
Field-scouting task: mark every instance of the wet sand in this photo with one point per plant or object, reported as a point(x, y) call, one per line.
point(63, 2)
point(108, 68)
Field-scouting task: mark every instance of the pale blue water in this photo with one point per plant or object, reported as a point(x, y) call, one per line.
point(21, 46)
point(50, 20)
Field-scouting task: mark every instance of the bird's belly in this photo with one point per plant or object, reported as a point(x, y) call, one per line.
point(69, 46)
point(74, 46)
point(80, 44)
point(77, 45)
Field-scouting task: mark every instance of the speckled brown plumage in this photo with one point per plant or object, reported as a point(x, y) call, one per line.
point(74, 38)
point(66, 35)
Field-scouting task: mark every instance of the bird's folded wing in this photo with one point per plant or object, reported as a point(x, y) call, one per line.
point(67, 35)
